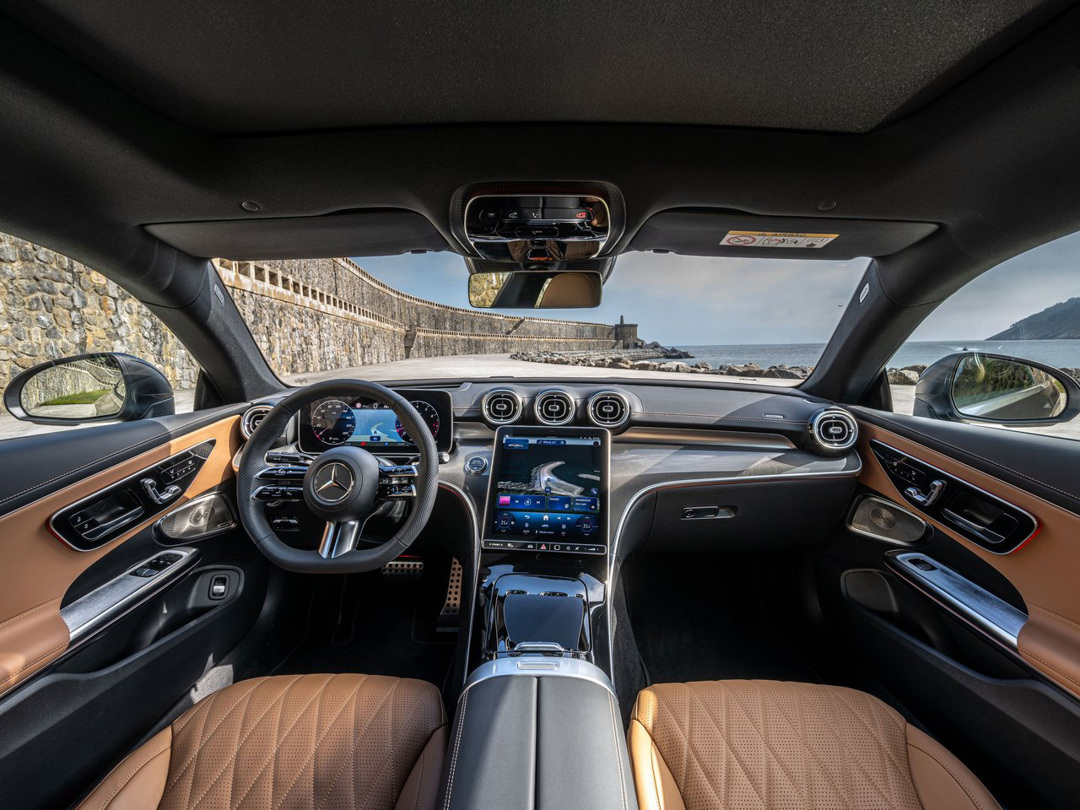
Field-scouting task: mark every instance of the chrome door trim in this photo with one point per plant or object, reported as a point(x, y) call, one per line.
point(90, 614)
point(975, 605)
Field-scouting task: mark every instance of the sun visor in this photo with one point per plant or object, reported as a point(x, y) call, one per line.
point(697, 232)
point(358, 233)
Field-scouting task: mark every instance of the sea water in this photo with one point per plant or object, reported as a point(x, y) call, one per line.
point(1057, 353)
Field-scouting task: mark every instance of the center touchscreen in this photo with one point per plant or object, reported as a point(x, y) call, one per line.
point(548, 491)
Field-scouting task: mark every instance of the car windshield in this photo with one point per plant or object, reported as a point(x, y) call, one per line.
point(662, 316)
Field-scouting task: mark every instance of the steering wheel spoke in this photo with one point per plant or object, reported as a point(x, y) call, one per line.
point(340, 538)
point(396, 482)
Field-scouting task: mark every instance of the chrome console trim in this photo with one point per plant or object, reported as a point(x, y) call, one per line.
point(637, 434)
point(975, 605)
point(538, 666)
point(470, 507)
point(89, 614)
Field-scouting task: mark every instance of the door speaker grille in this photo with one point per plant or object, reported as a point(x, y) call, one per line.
point(200, 518)
point(884, 520)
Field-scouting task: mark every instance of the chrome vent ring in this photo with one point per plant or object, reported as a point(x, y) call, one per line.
point(833, 430)
point(555, 407)
point(252, 418)
point(608, 409)
point(502, 406)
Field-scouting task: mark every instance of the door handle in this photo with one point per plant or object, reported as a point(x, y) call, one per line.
point(928, 498)
point(159, 497)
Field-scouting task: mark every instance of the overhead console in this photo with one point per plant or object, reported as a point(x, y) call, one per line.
point(540, 225)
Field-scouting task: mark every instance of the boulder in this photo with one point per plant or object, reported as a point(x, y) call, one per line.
point(902, 376)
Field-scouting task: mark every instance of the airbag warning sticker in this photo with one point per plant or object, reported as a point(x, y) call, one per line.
point(777, 239)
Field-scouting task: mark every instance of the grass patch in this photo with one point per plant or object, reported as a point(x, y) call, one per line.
point(81, 398)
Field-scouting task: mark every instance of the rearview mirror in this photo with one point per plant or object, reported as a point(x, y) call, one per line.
point(89, 388)
point(976, 387)
point(535, 289)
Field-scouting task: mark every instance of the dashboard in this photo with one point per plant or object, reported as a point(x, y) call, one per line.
point(336, 421)
point(676, 467)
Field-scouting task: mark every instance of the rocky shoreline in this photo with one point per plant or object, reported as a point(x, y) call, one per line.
point(655, 357)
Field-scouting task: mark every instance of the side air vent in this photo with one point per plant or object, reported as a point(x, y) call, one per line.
point(502, 406)
point(252, 418)
point(609, 409)
point(554, 407)
point(832, 431)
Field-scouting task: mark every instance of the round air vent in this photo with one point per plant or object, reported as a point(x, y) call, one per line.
point(501, 406)
point(609, 409)
point(554, 407)
point(833, 431)
point(251, 419)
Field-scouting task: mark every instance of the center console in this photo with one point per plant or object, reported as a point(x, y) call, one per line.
point(538, 724)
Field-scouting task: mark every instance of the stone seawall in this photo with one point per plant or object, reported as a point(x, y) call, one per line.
point(350, 318)
point(306, 316)
point(52, 307)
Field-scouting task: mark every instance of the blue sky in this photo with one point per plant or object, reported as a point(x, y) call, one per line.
point(687, 300)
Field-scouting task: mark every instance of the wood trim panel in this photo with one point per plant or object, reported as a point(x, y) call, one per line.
point(1045, 570)
point(37, 568)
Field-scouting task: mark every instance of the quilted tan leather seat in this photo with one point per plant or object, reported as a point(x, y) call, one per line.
point(304, 741)
point(752, 745)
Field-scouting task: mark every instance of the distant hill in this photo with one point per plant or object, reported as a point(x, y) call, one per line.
point(1059, 322)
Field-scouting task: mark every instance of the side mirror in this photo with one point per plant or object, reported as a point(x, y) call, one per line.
point(536, 289)
point(89, 388)
point(996, 389)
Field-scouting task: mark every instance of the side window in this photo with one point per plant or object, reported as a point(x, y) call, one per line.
point(1003, 351)
point(52, 308)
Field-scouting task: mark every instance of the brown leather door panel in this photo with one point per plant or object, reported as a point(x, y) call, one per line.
point(1045, 570)
point(36, 568)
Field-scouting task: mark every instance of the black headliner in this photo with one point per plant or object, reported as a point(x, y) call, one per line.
point(279, 65)
point(992, 162)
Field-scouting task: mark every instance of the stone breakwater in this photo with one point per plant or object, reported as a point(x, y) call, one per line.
point(658, 358)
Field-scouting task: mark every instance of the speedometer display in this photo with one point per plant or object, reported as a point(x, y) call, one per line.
point(427, 413)
point(361, 421)
point(333, 422)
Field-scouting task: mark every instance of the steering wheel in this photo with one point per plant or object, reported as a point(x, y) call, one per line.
point(343, 486)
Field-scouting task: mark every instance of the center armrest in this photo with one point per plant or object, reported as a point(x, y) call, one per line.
point(538, 733)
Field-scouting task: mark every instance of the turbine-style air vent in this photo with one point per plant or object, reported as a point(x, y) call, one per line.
point(554, 407)
point(501, 406)
point(609, 409)
point(833, 430)
point(252, 418)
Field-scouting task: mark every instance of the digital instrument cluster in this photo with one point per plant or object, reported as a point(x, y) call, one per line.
point(336, 421)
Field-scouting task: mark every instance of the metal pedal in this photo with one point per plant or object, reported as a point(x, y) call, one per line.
point(448, 616)
point(403, 570)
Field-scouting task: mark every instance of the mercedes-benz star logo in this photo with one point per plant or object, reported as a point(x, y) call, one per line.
point(333, 482)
